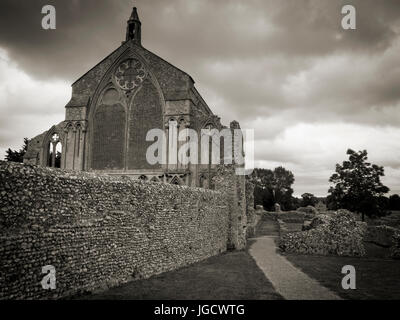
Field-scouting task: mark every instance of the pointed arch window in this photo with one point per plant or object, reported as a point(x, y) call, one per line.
point(54, 151)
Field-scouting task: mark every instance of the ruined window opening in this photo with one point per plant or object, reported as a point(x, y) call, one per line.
point(54, 152)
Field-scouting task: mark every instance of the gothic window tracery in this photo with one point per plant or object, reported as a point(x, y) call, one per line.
point(110, 97)
point(54, 151)
point(130, 74)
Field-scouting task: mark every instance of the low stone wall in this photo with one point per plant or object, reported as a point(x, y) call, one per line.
point(234, 187)
point(339, 235)
point(282, 227)
point(395, 249)
point(252, 225)
point(99, 231)
point(252, 215)
point(289, 216)
point(381, 235)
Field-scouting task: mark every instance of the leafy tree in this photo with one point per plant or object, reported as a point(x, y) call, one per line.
point(273, 186)
point(296, 203)
point(394, 202)
point(384, 203)
point(17, 156)
point(262, 191)
point(357, 186)
point(308, 199)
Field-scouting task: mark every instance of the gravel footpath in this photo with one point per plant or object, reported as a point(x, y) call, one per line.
point(287, 280)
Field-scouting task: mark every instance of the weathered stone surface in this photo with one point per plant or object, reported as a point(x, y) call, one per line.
point(308, 210)
point(234, 186)
point(252, 217)
point(99, 231)
point(319, 219)
point(113, 107)
point(306, 225)
point(395, 249)
point(341, 235)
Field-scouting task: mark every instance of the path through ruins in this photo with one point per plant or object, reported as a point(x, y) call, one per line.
point(230, 276)
point(258, 273)
point(290, 282)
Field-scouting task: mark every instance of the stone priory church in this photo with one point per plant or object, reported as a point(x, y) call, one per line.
point(112, 108)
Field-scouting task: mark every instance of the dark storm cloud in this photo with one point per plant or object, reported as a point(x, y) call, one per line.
point(249, 55)
point(188, 32)
point(246, 55)
point(283, 67)
point(311, 27)
point(85, 32)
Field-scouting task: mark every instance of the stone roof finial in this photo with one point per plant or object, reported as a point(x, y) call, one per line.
point(134, 28)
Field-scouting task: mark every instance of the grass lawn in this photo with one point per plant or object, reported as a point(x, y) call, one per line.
point(375, 278)
point(233, 275)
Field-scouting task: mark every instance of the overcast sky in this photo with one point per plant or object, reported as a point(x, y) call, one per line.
point(285, 68)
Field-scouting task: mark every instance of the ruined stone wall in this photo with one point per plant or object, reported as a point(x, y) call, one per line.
point(226, 181)
point(252, 217)
point(98, 231)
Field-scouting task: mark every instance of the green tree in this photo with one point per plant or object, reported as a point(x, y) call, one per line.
point(273, 186)
point(17, 156)
point(357, 186)
point(262, 188)
point(308, 199)
point(394, 202)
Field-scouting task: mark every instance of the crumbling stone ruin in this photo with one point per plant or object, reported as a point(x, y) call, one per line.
point(112, 108)
point(99, 231)
point(86, 200)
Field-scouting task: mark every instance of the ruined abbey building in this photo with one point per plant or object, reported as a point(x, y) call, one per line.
point(112, 108)
point(96, 228)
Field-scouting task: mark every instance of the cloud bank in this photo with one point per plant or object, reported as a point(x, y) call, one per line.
point(285, 68)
